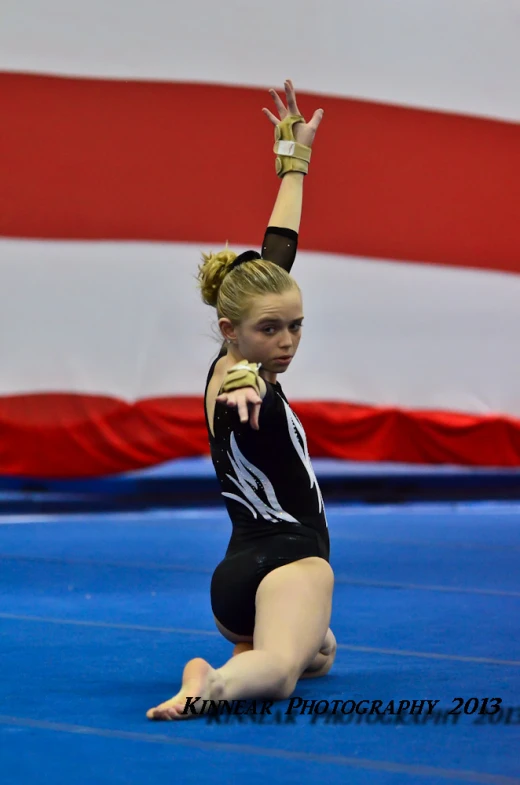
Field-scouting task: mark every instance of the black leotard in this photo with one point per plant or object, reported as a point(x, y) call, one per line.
point(269, 487)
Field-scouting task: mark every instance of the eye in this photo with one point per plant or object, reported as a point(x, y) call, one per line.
point(295, 326)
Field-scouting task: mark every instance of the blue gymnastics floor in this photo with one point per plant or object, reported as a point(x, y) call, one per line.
point(98, 614)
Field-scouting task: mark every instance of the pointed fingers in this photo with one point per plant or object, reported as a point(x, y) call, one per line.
point(270, 116)
point(317, 117)
point(255, 415)
point(278, 103)
point(291, 97)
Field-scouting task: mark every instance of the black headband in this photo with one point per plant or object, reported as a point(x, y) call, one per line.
point(247, 256)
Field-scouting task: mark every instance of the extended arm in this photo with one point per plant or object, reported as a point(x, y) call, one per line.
point(281, 237)
point(287, 210)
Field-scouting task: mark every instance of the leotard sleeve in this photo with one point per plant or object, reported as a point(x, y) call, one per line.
point(279, 246)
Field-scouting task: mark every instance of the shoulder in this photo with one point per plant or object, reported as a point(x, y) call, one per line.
point(219, 372)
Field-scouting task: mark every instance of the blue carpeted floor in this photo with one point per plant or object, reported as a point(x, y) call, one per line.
point(99, 613)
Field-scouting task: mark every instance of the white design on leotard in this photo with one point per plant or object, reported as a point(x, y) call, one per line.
point(248, 479)
point(295, 426)
point(241, 500)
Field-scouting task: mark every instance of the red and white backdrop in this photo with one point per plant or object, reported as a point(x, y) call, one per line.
point(133, 139)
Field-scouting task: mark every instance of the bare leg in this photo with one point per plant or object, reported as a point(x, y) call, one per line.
point(293, 609)
point(321, 664)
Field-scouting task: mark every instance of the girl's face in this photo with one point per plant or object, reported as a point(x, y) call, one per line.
point(271, 332)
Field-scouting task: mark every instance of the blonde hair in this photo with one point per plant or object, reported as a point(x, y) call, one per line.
point(231, 291)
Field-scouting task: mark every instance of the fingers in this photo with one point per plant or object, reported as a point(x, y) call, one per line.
point(291, 97)
point(255, 416)
point(291, 100)
point(282, 111)
point(292, 107)
point(243, 412)
point(242, 402)
point(271, 116)
point(317, 117)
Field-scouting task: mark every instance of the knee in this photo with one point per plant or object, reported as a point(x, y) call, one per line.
point(329, 651)
point(329, 661)
point(330, 645)
point(329, 576)
point(325, 576)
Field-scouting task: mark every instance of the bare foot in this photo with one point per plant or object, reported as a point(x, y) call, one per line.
point(198, 679)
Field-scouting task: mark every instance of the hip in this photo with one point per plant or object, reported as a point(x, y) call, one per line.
point(279, 543)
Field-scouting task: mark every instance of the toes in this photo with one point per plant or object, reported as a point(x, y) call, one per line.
point(166, 715)
point(165, 712)
point(158, 714)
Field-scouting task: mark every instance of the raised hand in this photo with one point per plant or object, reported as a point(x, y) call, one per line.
point(244, 399)
point(304, 133)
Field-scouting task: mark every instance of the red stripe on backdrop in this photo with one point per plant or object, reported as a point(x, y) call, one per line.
point(95, 159)
point(53, 436)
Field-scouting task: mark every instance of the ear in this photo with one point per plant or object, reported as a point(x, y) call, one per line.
point(227, 329)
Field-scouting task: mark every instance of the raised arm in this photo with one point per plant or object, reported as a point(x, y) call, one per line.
point(281, 237)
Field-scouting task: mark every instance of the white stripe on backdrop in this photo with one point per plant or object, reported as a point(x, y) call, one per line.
point(454, 55)
point(89, 161)
point(126, 320)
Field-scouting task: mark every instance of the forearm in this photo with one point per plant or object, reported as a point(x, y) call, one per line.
point(287, 210)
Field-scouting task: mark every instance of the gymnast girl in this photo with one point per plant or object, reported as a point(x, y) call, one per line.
point(272, 594)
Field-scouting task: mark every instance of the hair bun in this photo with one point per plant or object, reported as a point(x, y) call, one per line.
point(212, 272)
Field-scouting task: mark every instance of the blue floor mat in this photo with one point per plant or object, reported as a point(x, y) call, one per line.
point(99, 613)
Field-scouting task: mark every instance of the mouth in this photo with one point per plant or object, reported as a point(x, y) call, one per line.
point(284, 360)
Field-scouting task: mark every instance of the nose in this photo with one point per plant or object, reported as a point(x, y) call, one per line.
point(286, 340)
